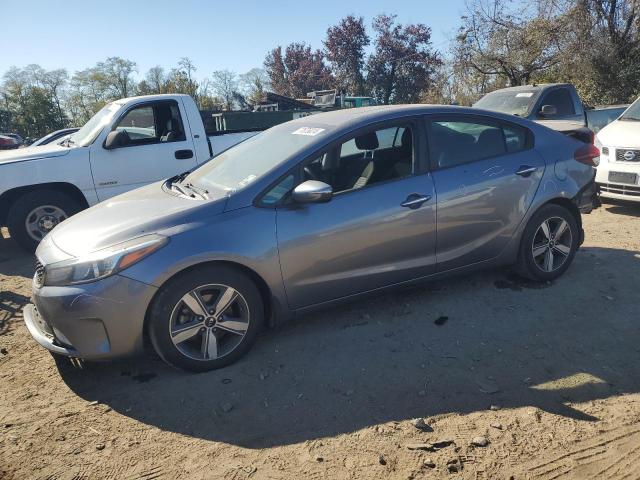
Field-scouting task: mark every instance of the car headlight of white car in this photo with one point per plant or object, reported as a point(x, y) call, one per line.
point(604, 151)
point(102, 263)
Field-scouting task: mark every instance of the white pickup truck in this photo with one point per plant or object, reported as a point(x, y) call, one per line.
point(129, 143)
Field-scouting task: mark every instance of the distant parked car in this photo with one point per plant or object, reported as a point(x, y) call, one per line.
point(8, 143)
point(53, 136)
point(17, 138)
point(619, 170)
point(307, 213)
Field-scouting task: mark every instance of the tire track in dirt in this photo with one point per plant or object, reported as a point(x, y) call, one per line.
point(614, 455)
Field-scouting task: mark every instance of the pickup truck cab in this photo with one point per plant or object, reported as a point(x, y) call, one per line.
point(555, 105)
point(129, 143)
point(538, 102)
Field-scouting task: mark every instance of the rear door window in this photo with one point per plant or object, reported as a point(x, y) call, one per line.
point(459, 140)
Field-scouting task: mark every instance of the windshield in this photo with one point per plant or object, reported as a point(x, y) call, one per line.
point(90, 130)
point(514, 102)
point(246, 162)
point(633, 112)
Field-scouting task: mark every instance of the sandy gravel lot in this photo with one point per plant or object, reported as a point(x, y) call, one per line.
point(335, 394)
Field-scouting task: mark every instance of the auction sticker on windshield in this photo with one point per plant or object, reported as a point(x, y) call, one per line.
point(524, 94)
point(309, 131)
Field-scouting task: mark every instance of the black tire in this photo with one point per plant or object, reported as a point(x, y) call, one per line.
point(527, 265)
point(168, 299)
point(27, 203)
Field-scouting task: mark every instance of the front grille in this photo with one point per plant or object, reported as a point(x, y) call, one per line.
point(620, 189)
point(627, 155)
point(38, 278)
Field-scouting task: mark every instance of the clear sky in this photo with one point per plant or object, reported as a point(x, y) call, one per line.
point(234, 35)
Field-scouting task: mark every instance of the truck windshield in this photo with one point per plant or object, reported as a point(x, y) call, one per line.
point(514, 102)
point(92, 128)
point(633, 112)
point(248, 161)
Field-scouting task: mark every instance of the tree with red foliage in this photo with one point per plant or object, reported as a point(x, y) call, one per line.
point(298, 71)
point(403, 63)
point(344, 48)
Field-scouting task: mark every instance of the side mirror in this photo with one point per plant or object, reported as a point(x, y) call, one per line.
point(548, 110)
point(115, 139)
point(312, 191)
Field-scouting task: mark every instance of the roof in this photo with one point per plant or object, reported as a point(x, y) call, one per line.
point(535, 86)
point(366, 114)
point(158, 96)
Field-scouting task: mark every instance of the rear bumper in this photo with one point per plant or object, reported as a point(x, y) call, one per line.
point(588, 199)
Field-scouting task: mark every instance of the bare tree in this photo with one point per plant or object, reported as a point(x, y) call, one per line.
point(499, 37)
point(225, 85)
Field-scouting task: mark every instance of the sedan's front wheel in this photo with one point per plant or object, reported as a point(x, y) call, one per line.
point(548, 244)
point(206, 319)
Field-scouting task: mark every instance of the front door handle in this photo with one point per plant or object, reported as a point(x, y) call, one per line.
point(526, 170)
point(184, 154)
point(415, 200)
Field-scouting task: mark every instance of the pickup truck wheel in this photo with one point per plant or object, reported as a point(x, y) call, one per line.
point(36, 213)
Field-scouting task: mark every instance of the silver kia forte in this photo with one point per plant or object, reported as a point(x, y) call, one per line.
point(311, 212)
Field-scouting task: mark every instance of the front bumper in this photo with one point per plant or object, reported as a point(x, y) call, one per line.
point(620, 191)
point(93, 321)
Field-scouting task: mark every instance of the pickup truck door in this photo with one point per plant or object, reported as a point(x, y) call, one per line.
point(158, 145)
point(567, 103)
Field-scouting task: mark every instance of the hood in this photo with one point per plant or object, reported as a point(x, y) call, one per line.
point(34, 153)
point(143, 211)
point(625, 134)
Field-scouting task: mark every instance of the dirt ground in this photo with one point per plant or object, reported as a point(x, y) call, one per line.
point(548, 375)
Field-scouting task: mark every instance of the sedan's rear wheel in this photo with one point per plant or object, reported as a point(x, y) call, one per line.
point(206, 319)
point(548, 244)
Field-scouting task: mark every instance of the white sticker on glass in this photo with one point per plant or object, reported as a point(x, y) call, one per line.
point(309, 131)
point(525, 94)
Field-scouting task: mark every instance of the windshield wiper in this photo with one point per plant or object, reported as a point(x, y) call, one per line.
point(175, 183)
point(204, 192)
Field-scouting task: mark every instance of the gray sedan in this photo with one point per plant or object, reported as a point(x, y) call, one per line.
point(315, 211)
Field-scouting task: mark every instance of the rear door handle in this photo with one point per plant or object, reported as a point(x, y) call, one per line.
point(415, 200)
point(526, 170)
point(184, 154)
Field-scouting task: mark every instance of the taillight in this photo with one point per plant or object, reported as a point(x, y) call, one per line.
point(588, 154)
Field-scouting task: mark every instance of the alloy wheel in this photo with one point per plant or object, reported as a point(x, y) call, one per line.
point(209, 322)
point(552, 244)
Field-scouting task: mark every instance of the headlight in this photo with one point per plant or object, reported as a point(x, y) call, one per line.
point(102, 263)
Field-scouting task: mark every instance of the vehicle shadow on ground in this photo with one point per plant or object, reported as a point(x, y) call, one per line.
point(622, 208)
point(14, 261)
point(11, 305)
point(457, 346)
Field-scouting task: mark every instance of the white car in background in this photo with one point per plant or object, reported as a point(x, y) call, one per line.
point(619, 143)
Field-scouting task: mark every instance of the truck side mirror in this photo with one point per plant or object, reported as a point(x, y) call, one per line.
point(548, 110)
point(116, 139)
